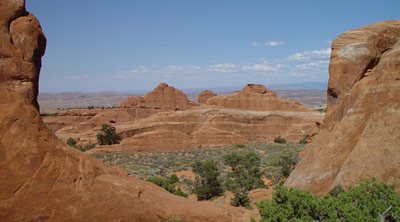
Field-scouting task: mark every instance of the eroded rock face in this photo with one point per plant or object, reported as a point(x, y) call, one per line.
point(41, 179)
point(361, 132)
point(205, 95)
point(257, 98)
point(207, 127)
point(161, 99)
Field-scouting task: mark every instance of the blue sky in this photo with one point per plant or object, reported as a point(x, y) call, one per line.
point(128, 45)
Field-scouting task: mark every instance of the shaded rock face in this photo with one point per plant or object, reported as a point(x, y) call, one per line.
point(162, 98)
point(361, 132)
point(205, 95)
point(257, 98)
point(43, 180)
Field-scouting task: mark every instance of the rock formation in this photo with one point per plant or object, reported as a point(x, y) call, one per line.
point(41, 179)
point(361, 132)
point(206, 127)
point(162, 98)
point(257, 98)
point(205, 95)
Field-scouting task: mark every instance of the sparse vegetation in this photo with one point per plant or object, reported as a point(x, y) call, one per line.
point(169, 184)
point(108, 135)
point(240, 146)
point(280, 139)
point(86, 147)
point(44, 115)
point(304, 141)
point(207, 183)
point(244, 177)
point(72, 142)
point(287, 164)
point(364, 203)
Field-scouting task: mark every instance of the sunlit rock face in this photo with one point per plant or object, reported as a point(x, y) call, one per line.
point(361, 132)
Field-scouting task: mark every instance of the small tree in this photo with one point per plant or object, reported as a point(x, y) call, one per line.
point(245, 176)
point(108, 136)
point(207, 184)
point(280, 139)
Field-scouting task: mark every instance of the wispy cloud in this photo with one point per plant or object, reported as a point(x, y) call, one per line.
point(310, 55)
point(272, 43)
point(222, 68)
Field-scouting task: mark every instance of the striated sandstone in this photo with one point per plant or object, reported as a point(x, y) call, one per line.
point(206, 127)
point(41, 179)
point(205, 95)
point(361, 132)
point(257, 98)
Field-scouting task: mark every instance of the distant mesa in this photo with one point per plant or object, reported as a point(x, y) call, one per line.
point(256, 97)
point(162, 98)
point(205, 95)
point(361, 132)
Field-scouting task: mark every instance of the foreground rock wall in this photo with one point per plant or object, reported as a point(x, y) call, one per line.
point(43, 180)
point(361, 132)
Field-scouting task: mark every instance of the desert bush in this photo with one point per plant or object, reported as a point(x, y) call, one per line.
point(280, 139)
point(168, 184)
point(86, 147)
point(207, 184)
point(245, 176)
point(72, 142)
point(363, 203)
point(108, 135)
point(304, 141)
point(287, 164)
point(240, 146)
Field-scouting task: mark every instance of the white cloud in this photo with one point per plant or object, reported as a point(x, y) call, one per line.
point(310, 55)
point(222, 68)
point(271, 43)
point(258, 67)
point(172, 68)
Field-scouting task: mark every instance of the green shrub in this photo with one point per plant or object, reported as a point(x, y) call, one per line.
point(72, 142)
point(304, 141)
point(287, 164)
point(86, 148)
point(207, 184)
point(363, 203)
point(168, 184)
point(245, 176)
point(280, 139)
point(108, 136)
point(240, 146)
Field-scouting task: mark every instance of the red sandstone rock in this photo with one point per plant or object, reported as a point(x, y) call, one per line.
point(256, 98)
point(162, 98)
point(204, 127)
point(361, 132)
point(41, 179)
point(205, 95)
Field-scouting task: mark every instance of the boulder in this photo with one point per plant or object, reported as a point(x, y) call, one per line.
point(361, 132)
point(41, 179)
point(205, 95)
